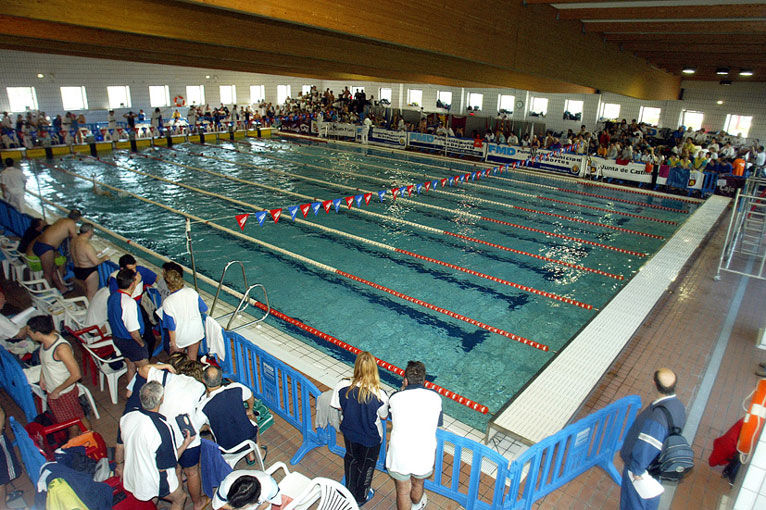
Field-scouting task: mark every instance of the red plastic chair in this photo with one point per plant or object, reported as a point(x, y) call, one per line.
point(102, 345)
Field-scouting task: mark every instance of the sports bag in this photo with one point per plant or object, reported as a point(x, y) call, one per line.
point(676, 458)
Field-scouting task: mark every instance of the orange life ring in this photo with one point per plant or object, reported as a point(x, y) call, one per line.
point(179, 101)
point(753, 422)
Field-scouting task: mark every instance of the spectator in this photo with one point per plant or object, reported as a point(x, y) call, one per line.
point(643, 442)
point(85, 260)
point(223, 411)
point(243, 489)
point(60, 372)
point(181, 315)
point(363, 405)
point(181, 395)
point(30, 234)
point(14, 183)
point(48, 242)
point(416, 413)
point(146, 278)
point(127, 323)
point(151, 454)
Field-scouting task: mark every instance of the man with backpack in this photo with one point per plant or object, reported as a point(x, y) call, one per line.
point(644, 441)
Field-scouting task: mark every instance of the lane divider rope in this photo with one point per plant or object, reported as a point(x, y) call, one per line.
point(624, 201)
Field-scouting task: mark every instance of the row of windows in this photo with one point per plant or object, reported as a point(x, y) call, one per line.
point(118, 96)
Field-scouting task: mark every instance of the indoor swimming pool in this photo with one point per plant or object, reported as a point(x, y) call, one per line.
point(483, 280)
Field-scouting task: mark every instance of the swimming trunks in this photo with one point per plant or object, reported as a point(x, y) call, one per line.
point(39, 248)
point(82, 273)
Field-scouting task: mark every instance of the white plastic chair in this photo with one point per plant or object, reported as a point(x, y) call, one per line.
point(293, 484)
point(331, 495)
point(112, 375)
point(240, 451)
point(81, 390)
point(34, 274)
point(13, 266)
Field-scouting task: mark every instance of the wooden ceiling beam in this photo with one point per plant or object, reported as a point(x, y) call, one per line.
point(670, 12)
point(672, 47)
point(683, 39)
point(575, 1)
point(711, 28)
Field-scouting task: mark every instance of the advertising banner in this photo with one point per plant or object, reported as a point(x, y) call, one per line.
point(570, 164)
point(387, 137)
point(301, 125)
point(333, 129)
point(463, 146)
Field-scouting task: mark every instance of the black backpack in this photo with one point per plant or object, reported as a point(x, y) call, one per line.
point(676, 458)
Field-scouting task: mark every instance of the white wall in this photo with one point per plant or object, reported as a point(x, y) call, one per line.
point(21, 69)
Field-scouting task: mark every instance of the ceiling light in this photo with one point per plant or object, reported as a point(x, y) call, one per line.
point(207, 76)
point(40, 75)
point(745, 72)
point(725, 82)
point(719, 102)
point(722, 71)
point(688, 70)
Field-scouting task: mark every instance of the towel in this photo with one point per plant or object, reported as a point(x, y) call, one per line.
point(327, 415)
point(214, 334)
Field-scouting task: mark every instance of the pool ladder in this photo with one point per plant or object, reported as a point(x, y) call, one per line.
point(244, 302)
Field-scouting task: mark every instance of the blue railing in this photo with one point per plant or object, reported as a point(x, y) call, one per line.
point(284, 390)
point(30, 455)
point(104, 270)
point(13, 220)
point(562, 457)
point(14, 382)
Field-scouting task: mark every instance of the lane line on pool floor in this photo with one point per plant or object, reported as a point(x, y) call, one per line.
point(382, 217)
point(475, 164)
point(451, 195)
point(467, 184)
point(414, 203)
point(319, 265)
point(286, 318)
point(347, 235)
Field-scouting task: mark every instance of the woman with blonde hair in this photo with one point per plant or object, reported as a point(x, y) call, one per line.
point(181, 314)
point(363, 405)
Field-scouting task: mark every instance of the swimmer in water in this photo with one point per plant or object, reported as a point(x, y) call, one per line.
point(99, 191)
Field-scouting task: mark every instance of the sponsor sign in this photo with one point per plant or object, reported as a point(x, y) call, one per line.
point(387, 137)
point(571, 164)
point(333, 129)
point(454, 145)
point(300, 125)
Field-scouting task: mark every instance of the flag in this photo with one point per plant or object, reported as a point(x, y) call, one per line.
point(316, 206)
point(367, 197)
point(434, 184)
point(337, 203)
point(241, 220)
point(293, 211)
point(418, 187)
point(359, 199)
point(451, 180)
point(427, 185)
point(381, 194)
point(305, 209)
point(395, 192)
point(409, 190)
point(327, 204)
point(261, 216)
point(444, 182)
point(402, 190)
point(349, 201)
point(276, 214)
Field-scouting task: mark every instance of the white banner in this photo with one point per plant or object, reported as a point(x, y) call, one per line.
point(570, 164)
point(636, 172)
point(454, 145)
point(387, 137)
point(333, 129)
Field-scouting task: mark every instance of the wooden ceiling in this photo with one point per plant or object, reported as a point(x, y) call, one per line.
point(499, 43)
point(705, 35)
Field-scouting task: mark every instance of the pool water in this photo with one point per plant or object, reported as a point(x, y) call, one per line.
point(479, 364)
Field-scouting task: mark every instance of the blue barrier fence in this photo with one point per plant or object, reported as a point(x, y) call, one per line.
point(14, 382)
point(31, 457)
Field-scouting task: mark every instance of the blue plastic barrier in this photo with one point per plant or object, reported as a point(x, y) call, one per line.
point(562, 457)
point(709, 183)
point(31, 457)
point(104, 270)
point(284, 390)
point(14, 382)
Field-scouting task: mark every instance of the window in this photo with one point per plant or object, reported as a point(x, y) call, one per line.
point(195, 94)
point(610, 111)
point(539, 107)
point(119, 96)
point(228, 94)
point(385, 94)
point(573, 110)
point(738, 124)
point(354, 90)
point(649, 115)
point(283, 92)
point(414, 97)
point(475, 100)
point(305, 89)
point(505, 103)
point(443, 99)
point(73, 98)
point(257, 93)
point(159, 96)
point(22, 98)
point(692, 119)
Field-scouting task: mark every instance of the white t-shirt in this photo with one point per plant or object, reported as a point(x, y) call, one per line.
point(416, 413)
point(96, 314)
point(181, 312)
point(13, 179)
point(269, 489)
point(146, 455)
point(182, 393)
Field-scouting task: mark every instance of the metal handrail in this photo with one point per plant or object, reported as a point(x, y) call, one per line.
point(244, 301)
point(220, 283)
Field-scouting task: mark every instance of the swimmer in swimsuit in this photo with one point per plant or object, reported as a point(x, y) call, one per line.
point(46, 245)
point(86, 261)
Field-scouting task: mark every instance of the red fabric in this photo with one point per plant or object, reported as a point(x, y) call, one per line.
point(66, 407)
point(725, 447)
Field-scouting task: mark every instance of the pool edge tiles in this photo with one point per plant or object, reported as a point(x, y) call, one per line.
point(550, 400)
